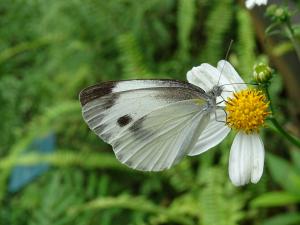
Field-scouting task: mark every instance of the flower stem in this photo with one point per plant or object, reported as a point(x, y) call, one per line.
point(266, 88)
point(295, 141)
point(290, 33)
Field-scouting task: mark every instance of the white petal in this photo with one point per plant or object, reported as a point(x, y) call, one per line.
point(258, 156)
point(263, 2)
point(204, 76)
point(246, 159)
point(239, 164)
point(207, 76)
point(212, 135)
point(251, 3)
point(230, 74)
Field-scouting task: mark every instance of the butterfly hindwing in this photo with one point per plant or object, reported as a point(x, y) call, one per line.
point(161, 138)
point(127, 114)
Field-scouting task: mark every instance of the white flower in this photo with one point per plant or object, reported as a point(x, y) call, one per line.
point(251, 3)
point(246, 160)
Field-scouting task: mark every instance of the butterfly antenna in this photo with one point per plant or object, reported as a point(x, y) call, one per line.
point(226, 58)
point(239, 83)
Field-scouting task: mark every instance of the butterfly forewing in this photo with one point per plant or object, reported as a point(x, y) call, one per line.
point(109, 87)
point(151, 124)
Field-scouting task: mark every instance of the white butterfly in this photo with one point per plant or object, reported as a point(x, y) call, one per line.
point(153, 124)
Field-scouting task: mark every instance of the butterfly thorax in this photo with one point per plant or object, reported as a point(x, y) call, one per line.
point(215, 92)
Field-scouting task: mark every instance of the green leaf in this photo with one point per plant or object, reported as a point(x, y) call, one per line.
point(296, 159)
point(283, 219)
point(273, 199)
point(284, 174)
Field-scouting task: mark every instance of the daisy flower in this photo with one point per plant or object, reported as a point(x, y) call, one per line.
point(246, 111)
point(251, 3)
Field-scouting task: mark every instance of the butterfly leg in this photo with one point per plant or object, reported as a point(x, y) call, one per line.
point(222, 100)
point(216, 116)
point(222, 108)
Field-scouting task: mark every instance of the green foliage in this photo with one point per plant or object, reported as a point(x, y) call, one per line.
point(216, 28)
point(131, 58)
point(215, 205)
point(246, 44)
point(272, 199)
point(284, 219)
point(50, 50)
point(185, 22)
point(280, 168)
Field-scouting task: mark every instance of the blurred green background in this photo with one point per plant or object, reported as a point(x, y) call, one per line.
point(54, 170)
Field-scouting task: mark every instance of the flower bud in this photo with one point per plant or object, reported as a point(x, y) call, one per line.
point(278, 13)
point(262, 73)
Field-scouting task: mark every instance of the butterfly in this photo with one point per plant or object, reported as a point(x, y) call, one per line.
point(150, 124)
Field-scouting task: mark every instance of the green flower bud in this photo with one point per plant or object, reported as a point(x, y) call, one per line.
point(278, 13)
point(262, 73)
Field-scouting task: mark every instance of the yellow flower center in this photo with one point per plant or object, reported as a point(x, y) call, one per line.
point(247, 110)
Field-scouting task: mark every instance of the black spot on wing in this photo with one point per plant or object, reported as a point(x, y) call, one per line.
point(139, 131)
point(96, 91)
point(124, 120)
point(137, 125)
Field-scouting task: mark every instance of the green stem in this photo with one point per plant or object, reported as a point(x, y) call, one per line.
point(295, 141)
point(290, 33)
point(268, 96)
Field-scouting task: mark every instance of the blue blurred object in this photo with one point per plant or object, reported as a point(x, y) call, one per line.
point(22, 175)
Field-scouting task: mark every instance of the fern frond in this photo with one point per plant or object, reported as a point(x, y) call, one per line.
point(219, 203)
point(27, 46)
point(216, 27)
point(185, 21)
point(246, 44)
point(139, 204)
point(131, 58)
point(124, 201)
point(64, 189)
